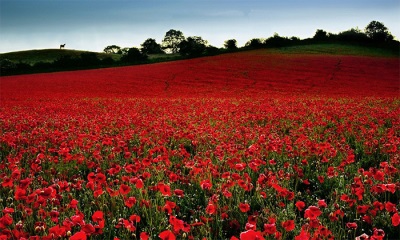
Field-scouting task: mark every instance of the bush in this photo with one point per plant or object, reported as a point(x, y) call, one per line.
point(7, 67)
point(134, 55)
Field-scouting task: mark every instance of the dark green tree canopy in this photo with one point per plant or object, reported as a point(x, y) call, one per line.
point(150, 46)
point(320, 35)
point(134, 55)
point(254, 43)
point(112, 49)
point(230, 44)
point(352, 35)
point(172, 40)
point(377, 31)
point(192, 46)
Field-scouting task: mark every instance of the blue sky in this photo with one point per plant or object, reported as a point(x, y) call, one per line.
point(95, 24)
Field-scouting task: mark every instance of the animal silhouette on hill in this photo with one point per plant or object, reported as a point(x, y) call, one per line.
point(62, 46)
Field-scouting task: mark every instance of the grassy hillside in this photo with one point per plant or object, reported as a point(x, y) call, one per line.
point(48, 55)
point(338, 49)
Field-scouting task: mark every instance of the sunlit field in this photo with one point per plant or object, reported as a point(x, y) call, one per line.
point(250, 145)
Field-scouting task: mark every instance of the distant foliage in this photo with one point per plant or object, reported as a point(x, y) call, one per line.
point(192, 46)
point(254, 43)
point(150, 46)
point(378, 32)
point(89, 59)
point(230, 44)
point(7, 66)
point(113, 49)
point(134, 55)
point(352, 35)
point(320, 35)
point(172, 40)
point(277, 41)
point(211, 50)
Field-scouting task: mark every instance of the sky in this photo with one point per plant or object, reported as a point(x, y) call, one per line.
point(94, 24)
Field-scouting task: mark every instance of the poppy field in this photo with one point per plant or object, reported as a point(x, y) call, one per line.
point(249, 145)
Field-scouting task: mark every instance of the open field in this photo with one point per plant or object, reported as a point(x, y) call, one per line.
point(252, 145)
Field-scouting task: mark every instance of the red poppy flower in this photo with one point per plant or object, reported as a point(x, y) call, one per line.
point(211, 209)
point(88, 229)
point(129, 202)
point(391, 187)
point(73, 203)
point(98, 216)
point(304, 235)
point(250, 226)
point(390, 207)
point(124, 189)
point(312, 212)
point(134, 218)
point(57, 231)
point(288, 225)
point(378, 234)
point(322, 203)
point(167, 235)
point(144, 236)
point(206, 184)
point(270, 228)
point(7, 182)
point(8, 210)
point(351, 225)
point(54, 216)
point(244, 207)
point(362, 209)
point(78, 236)
point(112, 192)
point(164, 189)
point(300, 205)
point(100, 178)
point(395, 220)
point(251, 235)
point(139, 183)
point(179, 192)
point(5, 221)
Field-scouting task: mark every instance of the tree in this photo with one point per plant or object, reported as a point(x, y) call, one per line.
point(150, 46)
point(7, 66)
point(230, 44)
point(172, 40)
point(254, 43)
point(378, 32)
point(88, 59)
point(112, 49)
point(124, 51)
point(277, 41)
point(352, 35)
point(134, 55)
point(192, 46)
point(211, 50)
point(320, 35)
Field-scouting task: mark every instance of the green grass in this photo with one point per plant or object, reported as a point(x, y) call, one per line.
point(338, 49)
point(48, 55)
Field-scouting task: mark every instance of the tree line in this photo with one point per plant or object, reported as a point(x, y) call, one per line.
point(375, 34)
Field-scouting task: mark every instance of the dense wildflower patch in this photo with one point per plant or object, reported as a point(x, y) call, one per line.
point(242, 146)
